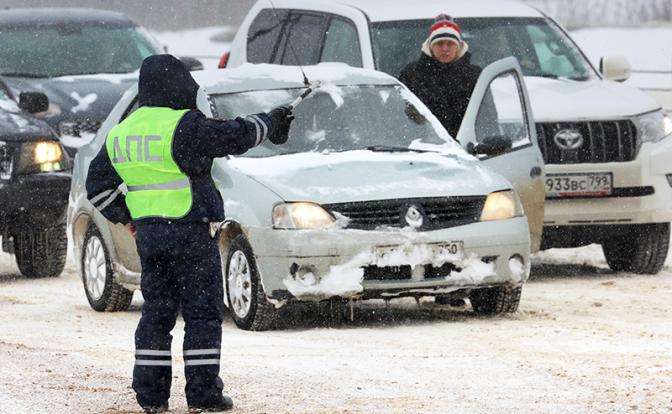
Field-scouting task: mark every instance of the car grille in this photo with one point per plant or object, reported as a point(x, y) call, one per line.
point(76, 128)
point(441, 212)
point(6, 162)
point(404, 272)
point(603, 141)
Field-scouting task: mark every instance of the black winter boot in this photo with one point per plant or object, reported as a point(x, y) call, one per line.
point(218, 404)
point(155, 410)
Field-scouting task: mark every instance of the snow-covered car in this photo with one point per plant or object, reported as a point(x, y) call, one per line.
point(608, 178)
point(82, 59)
point(369, 198)
point(34, 186)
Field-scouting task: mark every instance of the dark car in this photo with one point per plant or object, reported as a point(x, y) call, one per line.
point(34, 185)
point(82, 59)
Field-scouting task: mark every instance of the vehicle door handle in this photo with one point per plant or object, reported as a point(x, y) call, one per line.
point(535, 171)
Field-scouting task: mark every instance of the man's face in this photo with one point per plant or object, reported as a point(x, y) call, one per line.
point(445, 51)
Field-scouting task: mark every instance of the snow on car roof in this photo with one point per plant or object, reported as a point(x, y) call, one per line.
point(389, 10)
point(266, 76)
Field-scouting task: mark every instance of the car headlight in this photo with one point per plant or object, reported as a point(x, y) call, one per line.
point(653, 126)
point(300, 215)
point(41, 156)
point(501, 205)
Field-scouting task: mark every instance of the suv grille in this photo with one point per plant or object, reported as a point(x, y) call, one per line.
point(437, 213)
point(6, 164)
point(76, 128)
point(603, 141)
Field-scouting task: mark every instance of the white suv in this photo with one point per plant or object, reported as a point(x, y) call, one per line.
point(606, 146)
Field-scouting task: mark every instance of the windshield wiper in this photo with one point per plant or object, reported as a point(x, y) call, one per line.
point(23, 75)
point(554, 76)
point(388, 148)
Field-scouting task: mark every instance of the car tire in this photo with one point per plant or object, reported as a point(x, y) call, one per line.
point(102, 291)
point(495, 300)
point(249, 305)
point(642, 250)
point(41, 253)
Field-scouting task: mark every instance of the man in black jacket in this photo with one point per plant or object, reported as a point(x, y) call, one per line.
point(443, 78)
point(171, 200)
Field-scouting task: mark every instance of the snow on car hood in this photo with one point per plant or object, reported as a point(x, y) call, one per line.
point(364, 175)
point(568, 100)
point(81, 96)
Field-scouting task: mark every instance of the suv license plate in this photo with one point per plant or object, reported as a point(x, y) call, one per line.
point(572, 185)
point(397, 255)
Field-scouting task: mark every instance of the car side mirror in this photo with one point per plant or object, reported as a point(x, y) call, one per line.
point(491, 146)
point(616, 68)
point(33, 102)
point(191, 63)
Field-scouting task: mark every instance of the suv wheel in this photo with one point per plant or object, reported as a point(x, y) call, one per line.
point(643, 250)
point(102, 291)
point(495, 300)
point(250, 308)
point(41, 253)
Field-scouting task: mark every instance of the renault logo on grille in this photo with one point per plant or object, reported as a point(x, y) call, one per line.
point(568, 139)
point(414, 217)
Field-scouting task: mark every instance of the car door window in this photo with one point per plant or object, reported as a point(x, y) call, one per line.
point(265, 34)
point(341, 43)
point(305, 36)
point(502, 111)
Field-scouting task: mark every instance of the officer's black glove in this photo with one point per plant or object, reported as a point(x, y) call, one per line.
point(282, 116)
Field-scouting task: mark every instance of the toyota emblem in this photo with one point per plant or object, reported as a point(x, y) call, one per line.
point(414, 217)
point(568, 139)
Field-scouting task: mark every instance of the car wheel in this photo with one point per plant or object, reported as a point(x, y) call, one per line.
point(642, 250)
point(102, 291)
point(495, 300)
point(250, 308)
point(41, 253)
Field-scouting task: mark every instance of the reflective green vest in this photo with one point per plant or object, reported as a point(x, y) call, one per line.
point(140, 149)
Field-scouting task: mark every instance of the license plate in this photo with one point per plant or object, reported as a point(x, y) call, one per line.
point(572, 185)
point(423, 253)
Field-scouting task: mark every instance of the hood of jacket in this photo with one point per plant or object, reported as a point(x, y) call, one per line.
point(165, 81)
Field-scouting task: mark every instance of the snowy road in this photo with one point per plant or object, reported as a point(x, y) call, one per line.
point(585, 340)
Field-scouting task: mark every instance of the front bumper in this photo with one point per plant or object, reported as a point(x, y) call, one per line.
point(642, 193)
point(316, 265)
point(34, 200)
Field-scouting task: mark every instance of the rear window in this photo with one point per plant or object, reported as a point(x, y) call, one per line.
point(264, 35)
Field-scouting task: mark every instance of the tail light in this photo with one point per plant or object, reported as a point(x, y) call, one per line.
point(223, 60)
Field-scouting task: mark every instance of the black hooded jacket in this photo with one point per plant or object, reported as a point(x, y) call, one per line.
point(165, 82)
point(444, 87)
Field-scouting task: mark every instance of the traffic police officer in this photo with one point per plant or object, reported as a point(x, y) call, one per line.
point(163, 152)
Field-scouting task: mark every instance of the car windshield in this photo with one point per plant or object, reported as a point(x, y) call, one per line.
point(344, 118)
point(541, 47)
point(50, 51)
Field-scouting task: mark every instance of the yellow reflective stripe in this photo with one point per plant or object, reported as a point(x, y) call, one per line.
point(171, 185)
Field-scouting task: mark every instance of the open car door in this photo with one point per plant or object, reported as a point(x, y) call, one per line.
point(499, 129)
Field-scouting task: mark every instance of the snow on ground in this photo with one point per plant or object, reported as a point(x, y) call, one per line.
point(585, 340)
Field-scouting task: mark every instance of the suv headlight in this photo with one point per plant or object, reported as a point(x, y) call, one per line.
point(653, 126)
point(501, 205)
point(41, 156)
point(300, 215)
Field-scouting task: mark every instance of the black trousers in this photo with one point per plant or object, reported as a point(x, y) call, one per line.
point(181, 270)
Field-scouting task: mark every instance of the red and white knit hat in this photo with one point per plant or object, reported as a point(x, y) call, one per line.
point(445, 28)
